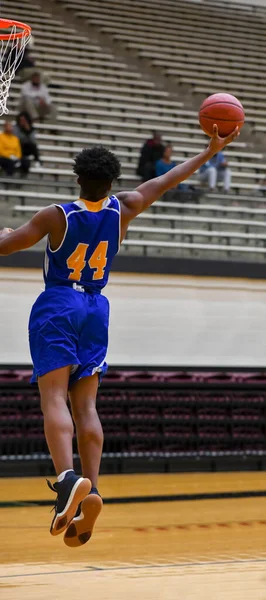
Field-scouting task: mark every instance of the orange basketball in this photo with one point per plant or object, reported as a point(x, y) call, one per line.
point(224, 110)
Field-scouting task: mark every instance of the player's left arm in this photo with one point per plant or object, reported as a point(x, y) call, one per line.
point(133, 203)
point(43, 223)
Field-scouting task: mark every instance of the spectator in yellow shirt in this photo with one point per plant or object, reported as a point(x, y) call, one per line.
point(10, 152)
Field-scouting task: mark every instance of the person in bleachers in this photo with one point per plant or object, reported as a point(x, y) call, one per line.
point(151, 151)
point(36, 100)
point(10, 152)
point(184, 191)
point(26, 134)
point(216, 169)
point(165, 164)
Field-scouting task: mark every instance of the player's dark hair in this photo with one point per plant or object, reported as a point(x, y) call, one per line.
point(96, 168)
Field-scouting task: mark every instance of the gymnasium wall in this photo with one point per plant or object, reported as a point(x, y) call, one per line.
point(156, 320)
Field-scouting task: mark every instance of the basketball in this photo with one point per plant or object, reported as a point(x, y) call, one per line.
point(224, 110)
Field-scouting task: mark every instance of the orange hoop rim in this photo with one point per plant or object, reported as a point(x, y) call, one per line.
point(5, 23)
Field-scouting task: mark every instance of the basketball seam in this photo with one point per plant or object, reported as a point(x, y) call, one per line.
point(219, 119)
point(222, 102)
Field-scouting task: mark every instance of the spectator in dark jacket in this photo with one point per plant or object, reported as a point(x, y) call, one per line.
point(151, 151)
point(24, 130)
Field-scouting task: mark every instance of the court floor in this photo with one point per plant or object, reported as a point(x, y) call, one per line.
point(168, 550)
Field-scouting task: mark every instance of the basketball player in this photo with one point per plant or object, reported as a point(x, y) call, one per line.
point(68, 326)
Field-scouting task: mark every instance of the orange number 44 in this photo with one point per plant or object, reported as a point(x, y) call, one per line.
point(98, 260)
point(77, 261)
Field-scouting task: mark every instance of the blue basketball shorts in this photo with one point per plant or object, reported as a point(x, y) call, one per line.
point(68, 327)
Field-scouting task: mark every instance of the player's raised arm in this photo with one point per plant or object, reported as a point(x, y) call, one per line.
point(133, 203)
point(50, 220)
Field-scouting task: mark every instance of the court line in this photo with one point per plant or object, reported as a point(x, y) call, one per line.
point(89, 569)
point(146, 528)
point(146, 499)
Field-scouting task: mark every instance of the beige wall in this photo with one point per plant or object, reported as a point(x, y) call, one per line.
point(156, 320)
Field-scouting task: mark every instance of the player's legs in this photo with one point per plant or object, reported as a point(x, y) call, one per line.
point(58, 428)
point(89, 431)
point(90, 442)
point(71, 329)
point(58, 425)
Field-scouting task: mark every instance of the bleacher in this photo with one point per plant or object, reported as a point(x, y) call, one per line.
point(101, 98)
point(166, 420)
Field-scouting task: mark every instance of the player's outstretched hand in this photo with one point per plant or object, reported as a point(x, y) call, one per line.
point(217, 143)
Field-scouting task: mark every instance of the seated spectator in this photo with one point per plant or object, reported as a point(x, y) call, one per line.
point(24, 130)
point(214, 170)
point(165, 164)
point(36, 100)
point(151, 151)
point(10, 152)
point(183, 191)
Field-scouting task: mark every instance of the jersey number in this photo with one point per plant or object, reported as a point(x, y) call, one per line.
point(76, 261)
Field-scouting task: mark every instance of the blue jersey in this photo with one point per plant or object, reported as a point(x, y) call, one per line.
point(91, 240)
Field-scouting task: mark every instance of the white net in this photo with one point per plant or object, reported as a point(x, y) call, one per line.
point(11, 53)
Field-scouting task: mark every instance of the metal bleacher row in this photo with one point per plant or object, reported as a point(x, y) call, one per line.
point(101, 99)
point(194, 56)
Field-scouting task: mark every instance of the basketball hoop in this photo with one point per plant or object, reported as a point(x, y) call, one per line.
point(14, 37)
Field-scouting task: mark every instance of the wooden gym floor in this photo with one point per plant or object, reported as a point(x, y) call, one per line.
point(170, 550)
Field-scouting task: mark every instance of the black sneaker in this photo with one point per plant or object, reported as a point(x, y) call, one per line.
point(80, 529)
point(70, 492)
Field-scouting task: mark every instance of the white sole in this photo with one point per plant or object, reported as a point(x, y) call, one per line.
point(79, 491)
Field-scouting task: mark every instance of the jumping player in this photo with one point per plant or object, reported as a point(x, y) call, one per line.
point(68, 326)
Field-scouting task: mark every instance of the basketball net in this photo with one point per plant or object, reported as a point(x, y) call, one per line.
point(14, 37)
